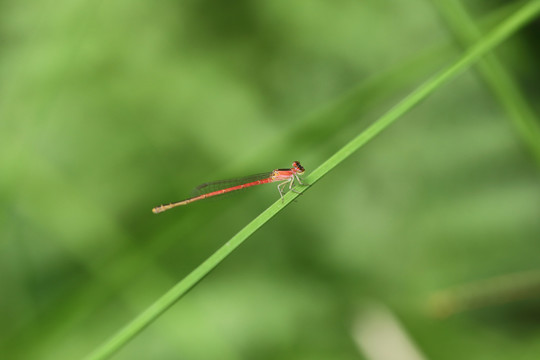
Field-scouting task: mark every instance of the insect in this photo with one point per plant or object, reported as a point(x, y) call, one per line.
point(206, 190)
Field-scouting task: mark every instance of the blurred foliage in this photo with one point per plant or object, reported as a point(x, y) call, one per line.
point(110, 108)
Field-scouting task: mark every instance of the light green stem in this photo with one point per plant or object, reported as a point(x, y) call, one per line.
point(524, 15)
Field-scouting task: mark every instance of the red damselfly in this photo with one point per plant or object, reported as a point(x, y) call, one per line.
point(206, 190)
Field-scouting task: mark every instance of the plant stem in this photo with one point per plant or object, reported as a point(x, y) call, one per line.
point(521, 17)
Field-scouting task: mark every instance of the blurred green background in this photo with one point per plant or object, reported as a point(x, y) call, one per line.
point(110, 108)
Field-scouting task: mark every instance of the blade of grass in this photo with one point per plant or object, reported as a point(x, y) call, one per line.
point(494, 74)
point(503, 31)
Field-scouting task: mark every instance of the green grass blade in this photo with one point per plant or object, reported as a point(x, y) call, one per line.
point(495, 75)
point(503, 31)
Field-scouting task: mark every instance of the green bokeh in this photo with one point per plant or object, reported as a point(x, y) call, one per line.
point(110, 108)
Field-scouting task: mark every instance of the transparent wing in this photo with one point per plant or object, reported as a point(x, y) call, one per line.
point(225, 184)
